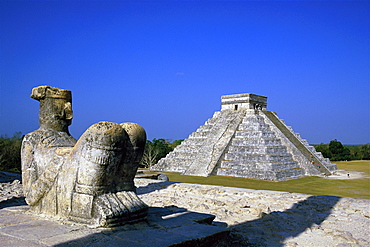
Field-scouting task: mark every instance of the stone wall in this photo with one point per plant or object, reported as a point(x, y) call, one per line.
point(243, 101)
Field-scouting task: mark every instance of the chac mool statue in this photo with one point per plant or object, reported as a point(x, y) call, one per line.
point(89, 180)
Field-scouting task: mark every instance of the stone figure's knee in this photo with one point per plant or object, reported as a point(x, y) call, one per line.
point(101, 148)
point(137, 136)
point(104, 135)
point(136, 133)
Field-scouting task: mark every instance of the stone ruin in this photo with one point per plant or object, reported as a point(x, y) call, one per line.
point(89, 180)
point(246, 140)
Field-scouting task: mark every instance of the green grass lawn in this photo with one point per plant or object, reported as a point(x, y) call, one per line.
point(356, 188)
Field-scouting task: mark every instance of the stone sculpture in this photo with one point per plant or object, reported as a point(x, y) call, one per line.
point(89, 180)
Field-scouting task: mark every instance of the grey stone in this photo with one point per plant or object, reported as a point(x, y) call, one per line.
point(163, 177)
point(89, 180)
point(246, 140)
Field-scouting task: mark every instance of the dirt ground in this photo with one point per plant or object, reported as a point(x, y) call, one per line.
point(346, 175)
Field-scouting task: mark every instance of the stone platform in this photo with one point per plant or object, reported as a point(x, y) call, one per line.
point(180, 215)
point(170, 226)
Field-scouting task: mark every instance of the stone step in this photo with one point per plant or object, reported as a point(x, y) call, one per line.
point(201, 134)
point(178, 160)
point(319, 155)
point(257, 149)
point(255, 142)
point(207, 134)
point(253, 119)
point(187, 148)
point(212, 150)
point(255, 134)
point(223, 116)
point(289, 174)
point(305, 150)
point(331, 167)
point(178, 154)
point(305, 142)
point(255, 127)
point(264, 175)
point(171, 165)
point(205, 128)
point(258, 157)
point(311, 148)
point(326, 161)
point(194, 141)
point(251, 165)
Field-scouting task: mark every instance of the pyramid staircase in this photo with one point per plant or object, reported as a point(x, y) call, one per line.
point(256, 152)
point(323, 165)
point(204, 147)
point(246, 140)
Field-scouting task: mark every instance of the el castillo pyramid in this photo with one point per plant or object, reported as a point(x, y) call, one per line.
point(246, 140)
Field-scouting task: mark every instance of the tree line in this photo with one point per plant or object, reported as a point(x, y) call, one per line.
point(336, 151)
point(10, 151)
point(156, 150)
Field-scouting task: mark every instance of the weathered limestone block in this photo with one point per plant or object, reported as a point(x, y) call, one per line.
point(89, 180)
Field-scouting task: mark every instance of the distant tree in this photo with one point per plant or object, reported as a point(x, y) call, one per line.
point(324, 149)
point(355, 151)
point(335, 147)
point(338, 151)
point(335, 151)
point(365, 151)
point(176, 143)
point(150, 155)
point(10, 153)
point(157, 149)
point(162, 146)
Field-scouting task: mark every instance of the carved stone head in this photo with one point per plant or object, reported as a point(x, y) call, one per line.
point(55, 107)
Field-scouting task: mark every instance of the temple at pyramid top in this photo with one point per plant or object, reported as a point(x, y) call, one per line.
point(243, 101)
point(244, 139)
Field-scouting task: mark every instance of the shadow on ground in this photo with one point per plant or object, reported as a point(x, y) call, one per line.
point(8, 177)
point(270, 230)
point(276, 227)
point(169, 226)
point(153, 187)
point(14, 201)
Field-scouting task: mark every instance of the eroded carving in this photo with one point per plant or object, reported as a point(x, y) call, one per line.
point(89, 180)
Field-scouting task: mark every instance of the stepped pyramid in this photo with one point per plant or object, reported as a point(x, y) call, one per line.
point(246, 140)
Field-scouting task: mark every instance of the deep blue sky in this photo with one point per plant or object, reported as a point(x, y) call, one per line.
point(165, 65)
